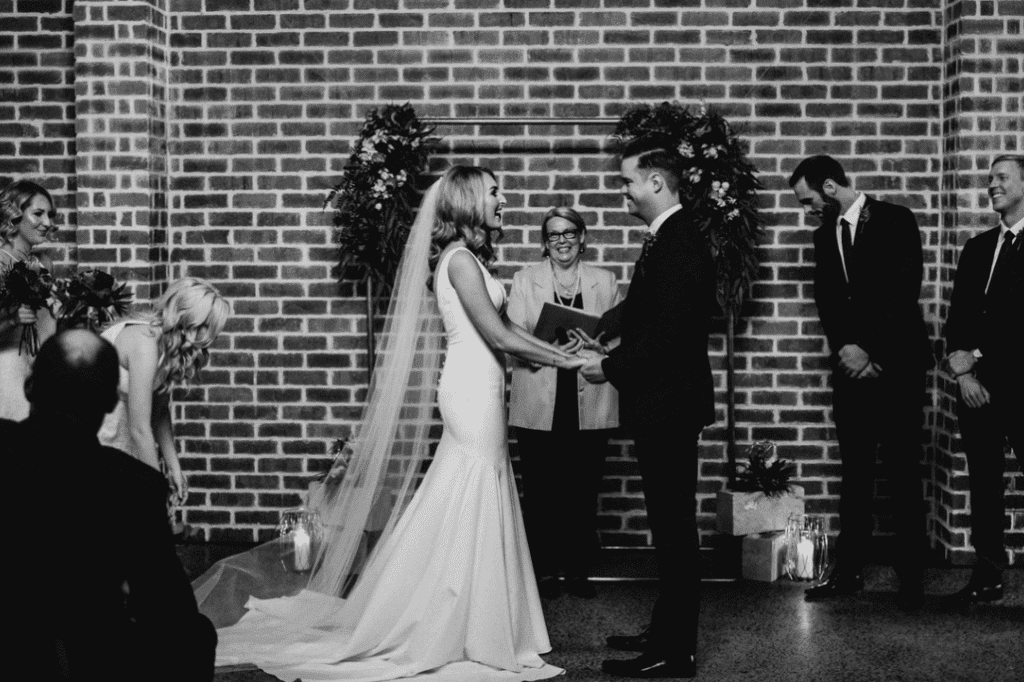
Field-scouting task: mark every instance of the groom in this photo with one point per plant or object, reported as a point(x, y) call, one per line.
point(663, 375)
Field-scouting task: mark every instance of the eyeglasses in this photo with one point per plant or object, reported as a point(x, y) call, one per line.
point(555, 237)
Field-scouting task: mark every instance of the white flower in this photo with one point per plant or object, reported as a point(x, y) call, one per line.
point(725, 187)
point(733, 214)
point(378, 206)
point(685, 149)
point(711, 152)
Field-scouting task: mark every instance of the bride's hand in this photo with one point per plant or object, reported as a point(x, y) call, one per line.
point(571, 362)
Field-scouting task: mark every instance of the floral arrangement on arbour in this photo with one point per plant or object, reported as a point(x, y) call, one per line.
point(373, 202)
point(718, 192)
point(719, 196)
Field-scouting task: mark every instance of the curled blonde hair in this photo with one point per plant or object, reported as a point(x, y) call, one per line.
point(13, 202)
point(190, 315)
point(460, 215)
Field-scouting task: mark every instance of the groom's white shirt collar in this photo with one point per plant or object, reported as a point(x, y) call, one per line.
point(660, 220)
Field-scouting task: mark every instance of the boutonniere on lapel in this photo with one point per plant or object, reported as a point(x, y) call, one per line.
point(862, 220)
point(649, 239)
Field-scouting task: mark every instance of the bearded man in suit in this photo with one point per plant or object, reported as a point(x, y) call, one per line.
point(867, 281)
point(663, 375)
point(983, 341)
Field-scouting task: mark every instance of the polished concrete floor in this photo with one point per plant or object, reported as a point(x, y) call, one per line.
point(766, 632)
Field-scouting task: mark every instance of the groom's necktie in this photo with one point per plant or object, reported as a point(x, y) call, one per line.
point(1003, 263)
point(847, 248)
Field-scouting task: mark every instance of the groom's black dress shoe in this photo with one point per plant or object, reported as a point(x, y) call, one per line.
point(837, 585)
point(652, 665)
point(638, 642)
point(973, 594)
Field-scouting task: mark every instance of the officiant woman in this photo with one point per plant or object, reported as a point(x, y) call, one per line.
point(562, 422)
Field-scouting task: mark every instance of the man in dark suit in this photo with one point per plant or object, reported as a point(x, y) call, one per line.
point(662, 372)
point(867, 280)
point(983, 341)
point(100, 593)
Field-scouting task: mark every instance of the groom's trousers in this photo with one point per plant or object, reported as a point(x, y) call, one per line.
point(667, 454)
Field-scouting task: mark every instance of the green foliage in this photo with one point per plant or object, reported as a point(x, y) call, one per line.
point(91, 299)
point(764, 471)
point(373, 201)
point(718, 191)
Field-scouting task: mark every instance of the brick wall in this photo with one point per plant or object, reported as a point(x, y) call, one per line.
point(262, 99)
point(37, 105)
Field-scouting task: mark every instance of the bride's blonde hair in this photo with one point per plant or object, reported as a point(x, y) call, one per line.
point(460, 214)
point(189, 315)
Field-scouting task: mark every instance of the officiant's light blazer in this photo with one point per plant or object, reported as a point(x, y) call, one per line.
point(532, 404)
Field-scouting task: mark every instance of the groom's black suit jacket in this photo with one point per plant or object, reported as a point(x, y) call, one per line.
point(661, 368)
point(98, 591)
point(878, 309)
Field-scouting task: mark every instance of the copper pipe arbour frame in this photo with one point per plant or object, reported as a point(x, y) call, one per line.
point(519, 120)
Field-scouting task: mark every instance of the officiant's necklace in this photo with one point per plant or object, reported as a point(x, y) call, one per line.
point(563, 290)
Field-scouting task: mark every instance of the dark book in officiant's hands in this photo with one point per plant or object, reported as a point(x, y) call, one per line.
point(556, 321)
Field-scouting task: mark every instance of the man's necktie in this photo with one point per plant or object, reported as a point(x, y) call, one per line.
point(1003, 262)
point(847, 248)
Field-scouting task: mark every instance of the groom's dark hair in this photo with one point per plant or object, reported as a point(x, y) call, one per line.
point(657, 152)
point(815, 170)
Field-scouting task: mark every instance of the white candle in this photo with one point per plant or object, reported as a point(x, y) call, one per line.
point(300, 540)
point(805, 559)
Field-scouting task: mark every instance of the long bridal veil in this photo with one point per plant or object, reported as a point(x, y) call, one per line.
point(385, 458)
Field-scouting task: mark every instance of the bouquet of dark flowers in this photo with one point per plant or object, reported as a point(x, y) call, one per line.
point(90, 300)
point(764, 472)
point(26, 284)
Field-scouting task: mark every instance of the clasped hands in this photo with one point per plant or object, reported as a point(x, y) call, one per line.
point(960, 365)
point(856, 364)
point(590, 353)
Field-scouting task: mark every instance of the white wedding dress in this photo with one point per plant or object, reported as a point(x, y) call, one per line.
point(450, 594)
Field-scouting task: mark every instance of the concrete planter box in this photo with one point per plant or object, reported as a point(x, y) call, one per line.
point(750, 513)
point(763, 556)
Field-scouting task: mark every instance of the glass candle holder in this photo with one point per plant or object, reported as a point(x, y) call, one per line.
point(806, 547)
point(300, 531)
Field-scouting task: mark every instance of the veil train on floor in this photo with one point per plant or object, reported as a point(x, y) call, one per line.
point(384, 460)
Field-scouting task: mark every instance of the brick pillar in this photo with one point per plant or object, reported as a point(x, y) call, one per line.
point(120, 85)
point(981, 118)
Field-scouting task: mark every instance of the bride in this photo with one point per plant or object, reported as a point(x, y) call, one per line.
point(448, 590)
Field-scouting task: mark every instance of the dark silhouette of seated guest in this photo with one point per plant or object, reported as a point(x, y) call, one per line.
point(98, 591)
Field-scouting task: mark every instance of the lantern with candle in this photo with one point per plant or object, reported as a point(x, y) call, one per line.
point(806, 547)
point(300, 531)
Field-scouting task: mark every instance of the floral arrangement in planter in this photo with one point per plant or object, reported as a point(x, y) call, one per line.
point(373, 202)
point(762, 498)
point(764, 471)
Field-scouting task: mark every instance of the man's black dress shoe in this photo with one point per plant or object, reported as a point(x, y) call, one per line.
point(652, 665)
point(837, 585)
point(579, 586)
point(638, 642)
point(974, 594)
